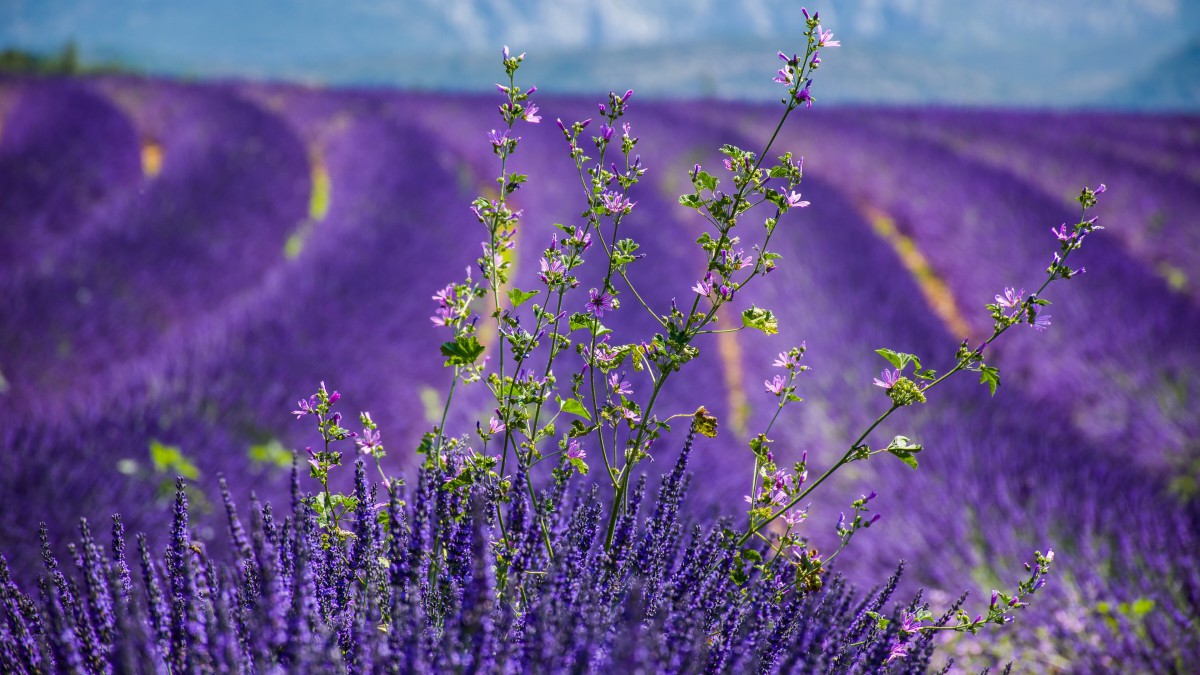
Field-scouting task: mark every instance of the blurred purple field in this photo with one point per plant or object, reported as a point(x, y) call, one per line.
point(180, 262)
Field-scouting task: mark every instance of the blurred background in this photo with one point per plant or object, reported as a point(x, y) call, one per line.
point(1109, 54)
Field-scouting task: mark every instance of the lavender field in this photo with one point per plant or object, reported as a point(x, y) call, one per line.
point(180, 262)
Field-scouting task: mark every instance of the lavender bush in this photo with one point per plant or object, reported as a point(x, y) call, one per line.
point(499, 563)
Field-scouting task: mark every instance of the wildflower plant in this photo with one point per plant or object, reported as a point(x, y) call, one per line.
point(498, 555)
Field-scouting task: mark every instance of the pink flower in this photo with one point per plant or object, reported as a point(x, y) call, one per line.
point(575, 450)
point(306, 407)
point(890, 378)
point(531, 114)
point(368, 441)
point(1011, 298)
point(1062, 233)
point(794, 201)
point(776, 385)
point(619, 385)
point(823, 38)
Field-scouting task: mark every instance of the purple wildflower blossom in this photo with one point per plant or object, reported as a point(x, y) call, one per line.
point(619, 385)
point(823, 38)
point(305, 407)
point(889, 378)
point(897, 650)
point(367, 441)
point(531, 114)
point(786, 360)
point(776, 385)
point(550, 269)
point(599, 303)
point(1011, 298)
point(794, 201)
point(804, 95)
point(1062, 233)
point(615, 202)
point(575, 450)
point(498, 139)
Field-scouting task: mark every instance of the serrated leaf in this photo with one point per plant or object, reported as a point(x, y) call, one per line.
point(899, 359)
point(991, 377)
point(573, 406)
point(760, 319)
point(706, 181)
point(460, 481)
point(904, 456)
point(519, 297)
point(751, 554)
point(462, 351)
point(691, 201)
point(580, 465)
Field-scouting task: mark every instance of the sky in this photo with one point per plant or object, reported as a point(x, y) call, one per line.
point(1142, 54)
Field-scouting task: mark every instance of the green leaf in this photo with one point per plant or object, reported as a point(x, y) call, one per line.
point(751, 554)
point(170, 459)
point(572, 406)
point(905, 450)
point(899, 359)
point(1141, 607)
point(583, 320)
point(460, 481)
point(462, 351)
point(760, 319)
point(580, 465)
point(519, 297)
point(706, 181)
point(691, 201)
point(905, 457)
point(272, 452)
point(991, 377)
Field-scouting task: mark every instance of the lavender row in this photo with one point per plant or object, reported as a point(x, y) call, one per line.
point(659, 598)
